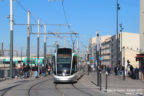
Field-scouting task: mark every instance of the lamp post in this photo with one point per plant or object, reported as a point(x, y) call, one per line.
point(118, 8)
point(97, 56)
point(122, 53)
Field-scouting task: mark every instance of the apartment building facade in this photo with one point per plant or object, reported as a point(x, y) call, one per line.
point(125, 44)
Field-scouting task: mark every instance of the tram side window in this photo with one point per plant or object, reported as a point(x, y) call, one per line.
point(74, 66)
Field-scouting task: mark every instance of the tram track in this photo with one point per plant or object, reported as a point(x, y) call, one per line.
point(55, 86)
point(8, 89)
point(29, 90)
point(83, 92)
point(58, 90)
point(74, 87)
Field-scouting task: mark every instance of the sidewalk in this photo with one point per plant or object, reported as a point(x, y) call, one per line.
point(117, 84)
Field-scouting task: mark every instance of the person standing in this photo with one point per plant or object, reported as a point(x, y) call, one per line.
point(49, 70)
point(137, 73)
point(24, 71)
point(35, 71)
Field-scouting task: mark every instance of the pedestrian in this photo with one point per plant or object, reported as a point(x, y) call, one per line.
point(131, 71)
point(28, 69)
point(128, 70)
point(24, 70)
point(35, 70)
point(137, 73)
point(116, 70)
point(49, 70)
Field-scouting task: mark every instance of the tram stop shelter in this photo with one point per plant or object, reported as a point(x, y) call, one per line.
point(140, 58)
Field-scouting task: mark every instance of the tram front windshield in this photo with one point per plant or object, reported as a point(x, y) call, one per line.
point(63, 64)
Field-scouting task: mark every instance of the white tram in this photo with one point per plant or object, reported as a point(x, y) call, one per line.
point(65, 66)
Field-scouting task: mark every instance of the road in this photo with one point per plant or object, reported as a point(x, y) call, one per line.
point(45, 87)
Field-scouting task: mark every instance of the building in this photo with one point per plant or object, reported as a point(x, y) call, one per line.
point(140, 57)
point(142, 25)
point(106, 51)
point(92, 47)
point(128, 47)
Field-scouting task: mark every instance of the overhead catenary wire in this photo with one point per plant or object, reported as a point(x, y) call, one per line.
point(64, 12)
point(67, 21)
point(25, 10)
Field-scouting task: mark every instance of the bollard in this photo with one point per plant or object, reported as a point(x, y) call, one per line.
point(106, 80)
point(100, 81)
point(88, 69)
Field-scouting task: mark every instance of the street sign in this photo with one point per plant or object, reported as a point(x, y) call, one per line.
point(91, 58)
point(101, 58)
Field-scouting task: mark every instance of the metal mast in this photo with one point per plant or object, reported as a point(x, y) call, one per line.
point(117, 37)
point(11, 38)
point(97, 56)
point(45, 44)
point(28, 39)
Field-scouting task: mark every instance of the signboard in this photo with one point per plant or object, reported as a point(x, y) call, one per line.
point(91, 58)
point(101, 58)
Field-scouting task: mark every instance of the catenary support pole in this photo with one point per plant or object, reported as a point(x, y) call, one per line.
point(78, 53)
point(45, 45)
point(38, 61)
point(21, 54)
point(28, 38)
point(57, 45)
point(11, 39)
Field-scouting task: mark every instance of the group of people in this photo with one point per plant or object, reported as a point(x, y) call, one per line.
point(130, 71)
point(118, 70)
point(133, 72)
point(35, 71)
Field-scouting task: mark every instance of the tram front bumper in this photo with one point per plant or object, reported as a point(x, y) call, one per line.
point(71, 78)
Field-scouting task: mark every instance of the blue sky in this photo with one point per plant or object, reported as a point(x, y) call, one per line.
point(85, 17)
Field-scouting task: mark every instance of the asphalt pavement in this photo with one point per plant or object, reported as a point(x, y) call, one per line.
point(86, 86)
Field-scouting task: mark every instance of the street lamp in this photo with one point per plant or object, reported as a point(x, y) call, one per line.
point(97, 56)
point(118, 8)
point(122, 53)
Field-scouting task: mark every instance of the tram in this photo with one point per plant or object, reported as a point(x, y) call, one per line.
point(65, 66)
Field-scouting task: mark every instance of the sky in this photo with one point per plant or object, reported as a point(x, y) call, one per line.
point(85, 17)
